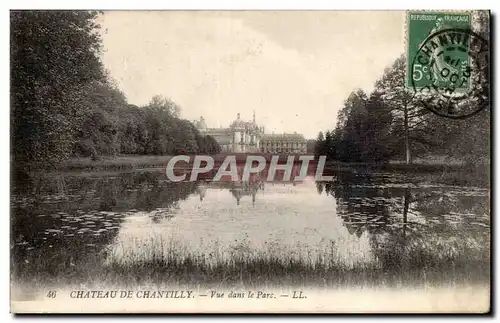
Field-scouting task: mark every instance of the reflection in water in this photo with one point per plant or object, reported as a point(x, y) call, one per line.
point(375, 226)
point(416, 227)
point(284, 222)
point(58, 224)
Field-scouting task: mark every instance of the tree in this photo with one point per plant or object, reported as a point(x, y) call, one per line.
point(328, 145)
point(427, 133)
point(53, 54)
point(393, 121)
point(132, 134)
point(376, 138)
point(311, 146)
point(64, 103)
point(211, 145)
point(161, 103)
point(350, 129)
point(97, 131)
point(185, 134)
point(319, 149)
point(398, 99)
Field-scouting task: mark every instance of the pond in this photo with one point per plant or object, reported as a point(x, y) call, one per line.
point(361, 229)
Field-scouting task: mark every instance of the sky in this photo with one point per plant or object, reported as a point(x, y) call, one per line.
point(293, 68)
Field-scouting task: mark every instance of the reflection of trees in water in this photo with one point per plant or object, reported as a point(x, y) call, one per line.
point(362, 207)
point(320, 187)
point(67, 219)
point(242, 189)
point(151, 192)
point(143, 192)
point(430, 230)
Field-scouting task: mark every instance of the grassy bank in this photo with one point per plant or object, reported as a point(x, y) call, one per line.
point(129, 162)
point(436, 171)
point(405, 263)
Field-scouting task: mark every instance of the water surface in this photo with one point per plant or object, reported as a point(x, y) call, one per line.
point(360, 229)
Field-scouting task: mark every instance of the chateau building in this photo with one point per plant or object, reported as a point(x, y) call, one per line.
point(241, 136)
point(283, 143)
point(247, 137)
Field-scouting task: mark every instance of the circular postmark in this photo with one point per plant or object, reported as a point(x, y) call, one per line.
point(450, 73)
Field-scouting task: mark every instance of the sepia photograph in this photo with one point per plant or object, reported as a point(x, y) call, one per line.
point(250, 161)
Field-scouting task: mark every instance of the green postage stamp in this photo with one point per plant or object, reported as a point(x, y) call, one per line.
point(446, 61)
point(421, 27)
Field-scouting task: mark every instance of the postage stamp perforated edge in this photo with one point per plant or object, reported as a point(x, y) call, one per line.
point(407, 32)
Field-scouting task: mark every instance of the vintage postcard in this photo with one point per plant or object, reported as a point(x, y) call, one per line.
point(250, 161)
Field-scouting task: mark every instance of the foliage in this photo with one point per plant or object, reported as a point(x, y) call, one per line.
point(362, 132)
point(390, 124)
point(311, 146)
point(64, 103)
point(53, 53)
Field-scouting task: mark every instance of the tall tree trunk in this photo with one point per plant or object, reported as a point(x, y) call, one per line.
point(407, 135)
point(407, 197)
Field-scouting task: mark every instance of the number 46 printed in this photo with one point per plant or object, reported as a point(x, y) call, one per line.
point(52, 294)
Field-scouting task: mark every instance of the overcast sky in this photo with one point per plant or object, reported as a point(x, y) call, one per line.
point(294, 68)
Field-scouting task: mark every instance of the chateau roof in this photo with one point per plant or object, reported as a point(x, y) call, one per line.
point(283, 136)
point(244, 124)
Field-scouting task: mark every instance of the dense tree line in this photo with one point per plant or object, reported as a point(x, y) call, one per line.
point(390, 123)
point(63, 103)
point(155, 129)
point(373, 127)
point(361, 133)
